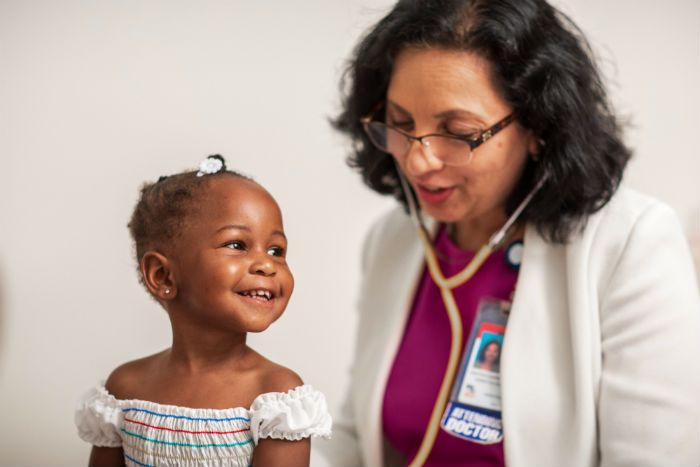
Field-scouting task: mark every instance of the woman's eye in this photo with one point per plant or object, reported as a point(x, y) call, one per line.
point(405, 125)
point(463, 131)
point(275, 251)
point(466, 133)
point(235, 245)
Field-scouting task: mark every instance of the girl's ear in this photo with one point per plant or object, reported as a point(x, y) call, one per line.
point(157, 275)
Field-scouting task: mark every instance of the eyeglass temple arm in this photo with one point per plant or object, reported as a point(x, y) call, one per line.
point(488, 134)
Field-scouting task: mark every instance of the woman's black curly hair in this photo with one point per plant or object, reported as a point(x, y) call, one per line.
point(542, 66)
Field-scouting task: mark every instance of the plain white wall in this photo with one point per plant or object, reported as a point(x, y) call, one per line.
point(96, 97)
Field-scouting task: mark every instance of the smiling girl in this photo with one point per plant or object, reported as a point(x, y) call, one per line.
point(211, 250)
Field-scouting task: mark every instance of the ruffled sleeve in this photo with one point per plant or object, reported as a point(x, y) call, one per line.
point(97, 418)
point(299, 413)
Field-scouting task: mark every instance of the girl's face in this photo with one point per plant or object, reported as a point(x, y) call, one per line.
point(451, 92)
point(229, 262)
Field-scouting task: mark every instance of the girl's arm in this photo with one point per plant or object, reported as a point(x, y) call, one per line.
point(106, 457)
point(281, 452)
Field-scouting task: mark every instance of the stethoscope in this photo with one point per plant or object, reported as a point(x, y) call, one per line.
point(446, 284)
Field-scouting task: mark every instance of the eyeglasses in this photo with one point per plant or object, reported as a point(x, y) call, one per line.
point(452, 150)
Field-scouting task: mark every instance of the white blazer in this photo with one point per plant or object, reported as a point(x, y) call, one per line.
point(601, 356)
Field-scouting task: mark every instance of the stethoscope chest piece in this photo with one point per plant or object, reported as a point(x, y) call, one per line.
point(514, 254)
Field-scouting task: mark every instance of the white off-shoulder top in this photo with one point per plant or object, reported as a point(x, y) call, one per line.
point(154, 434)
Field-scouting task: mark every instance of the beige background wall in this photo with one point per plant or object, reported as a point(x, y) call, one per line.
point(96, 97)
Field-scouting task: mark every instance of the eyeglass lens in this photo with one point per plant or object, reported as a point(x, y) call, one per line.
point(451, 151)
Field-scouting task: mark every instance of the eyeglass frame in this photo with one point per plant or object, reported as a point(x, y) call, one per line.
point(472, 142)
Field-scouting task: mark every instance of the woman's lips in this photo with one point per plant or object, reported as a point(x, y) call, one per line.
point(433, 195)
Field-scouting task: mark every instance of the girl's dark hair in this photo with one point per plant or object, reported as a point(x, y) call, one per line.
point(163, 206)
point(542, 66)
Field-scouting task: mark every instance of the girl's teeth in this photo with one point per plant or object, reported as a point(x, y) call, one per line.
point(263, 294)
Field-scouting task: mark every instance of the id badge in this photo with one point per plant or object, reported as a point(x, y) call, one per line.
point(474, 410)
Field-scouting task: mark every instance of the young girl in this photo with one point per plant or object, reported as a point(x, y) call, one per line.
point(211, 250)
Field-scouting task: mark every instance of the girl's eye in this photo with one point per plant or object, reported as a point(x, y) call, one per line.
point(275, 251)
point(235, 245)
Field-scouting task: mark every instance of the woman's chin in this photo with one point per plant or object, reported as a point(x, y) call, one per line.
point(444, 212)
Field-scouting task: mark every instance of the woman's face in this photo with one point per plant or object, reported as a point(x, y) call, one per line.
point(491, 353)
point(451, 92)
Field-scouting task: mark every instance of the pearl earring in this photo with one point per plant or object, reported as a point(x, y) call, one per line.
point(167, 291)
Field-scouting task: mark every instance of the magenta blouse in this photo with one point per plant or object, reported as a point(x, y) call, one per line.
point(419, 366)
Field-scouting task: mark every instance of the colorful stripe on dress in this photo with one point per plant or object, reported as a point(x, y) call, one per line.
point(137, 462)
point(133, 409)
point(186, 431)
point(133, 447)
point(171, 443)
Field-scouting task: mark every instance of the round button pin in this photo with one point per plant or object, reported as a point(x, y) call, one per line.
point(514, 254)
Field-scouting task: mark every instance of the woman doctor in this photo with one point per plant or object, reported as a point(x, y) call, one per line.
point(488, 122)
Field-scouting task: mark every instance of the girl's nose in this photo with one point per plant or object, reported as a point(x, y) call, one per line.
point(262, 264)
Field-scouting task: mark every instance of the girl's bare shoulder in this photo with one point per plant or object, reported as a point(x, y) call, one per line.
point(274, 377)
point(126, 379)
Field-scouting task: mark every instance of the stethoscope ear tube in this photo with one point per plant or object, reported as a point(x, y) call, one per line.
point(497, 238)
point(410, 198)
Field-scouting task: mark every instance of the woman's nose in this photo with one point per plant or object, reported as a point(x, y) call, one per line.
point(420, 159)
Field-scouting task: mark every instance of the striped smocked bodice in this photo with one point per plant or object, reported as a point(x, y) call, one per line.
point(154, 434)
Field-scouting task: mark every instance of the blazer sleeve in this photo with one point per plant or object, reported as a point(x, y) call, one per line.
point(649, 399)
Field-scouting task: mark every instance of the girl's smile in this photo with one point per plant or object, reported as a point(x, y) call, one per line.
point(260, 294)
